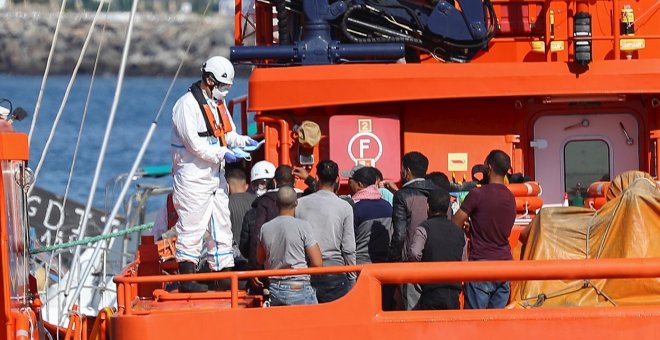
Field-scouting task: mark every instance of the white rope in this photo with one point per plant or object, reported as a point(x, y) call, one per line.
point(108, 224)
point(45, 78)
point(99, 164)
point(75, 153)
point(66, 95)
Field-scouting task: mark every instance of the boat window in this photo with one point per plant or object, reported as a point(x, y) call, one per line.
point(585, 162)
point(16, 221)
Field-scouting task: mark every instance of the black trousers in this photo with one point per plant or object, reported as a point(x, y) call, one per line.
point(439, 298)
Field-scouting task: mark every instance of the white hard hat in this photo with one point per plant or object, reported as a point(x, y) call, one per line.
point(262, 170)
point(221, 68)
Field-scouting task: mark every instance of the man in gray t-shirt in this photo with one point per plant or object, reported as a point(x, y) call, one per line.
point(332, 222)
point(284, 242)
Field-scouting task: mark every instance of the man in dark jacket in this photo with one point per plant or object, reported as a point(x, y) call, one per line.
point(410, 209)
point(264, 209)
point(438, 239)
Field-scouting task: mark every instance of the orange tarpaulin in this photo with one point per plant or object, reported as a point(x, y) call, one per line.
point(627, 226)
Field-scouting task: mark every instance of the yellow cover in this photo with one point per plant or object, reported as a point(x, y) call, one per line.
point(627, 226)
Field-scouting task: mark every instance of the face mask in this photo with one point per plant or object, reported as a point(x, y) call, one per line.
point(218, 94)
point(220, 91)
point(261, 189)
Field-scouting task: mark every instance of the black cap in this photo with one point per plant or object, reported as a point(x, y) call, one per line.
point(366, 176)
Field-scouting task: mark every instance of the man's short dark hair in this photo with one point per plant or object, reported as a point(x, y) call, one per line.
point(327, 171)
point(416, 162)
point(236, 174)
point(366, 176)
point(439, 179)
point(438, 201)
point(499, 161)
point(284, 176)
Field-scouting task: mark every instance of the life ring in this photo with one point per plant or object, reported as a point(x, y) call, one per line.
point(528, 203)
point(524, 189)
point(598, 189)
point(23, 326)
point(595, 203)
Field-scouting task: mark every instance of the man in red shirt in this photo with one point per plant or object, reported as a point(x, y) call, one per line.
point(491, 210)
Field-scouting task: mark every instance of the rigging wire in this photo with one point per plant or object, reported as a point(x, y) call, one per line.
point(69, 86)
point(75, 153)
point(45, 77)
point(108, 225)
point(99, 163)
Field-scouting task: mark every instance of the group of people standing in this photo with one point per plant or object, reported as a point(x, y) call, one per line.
point(267, 223)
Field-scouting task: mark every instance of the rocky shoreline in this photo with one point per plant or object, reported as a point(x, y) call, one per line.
point(158, 44)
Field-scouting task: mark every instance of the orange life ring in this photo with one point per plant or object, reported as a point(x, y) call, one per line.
point(594, 202)
point(525, 189)
point(22, 326)
point(528, 203)
point(598, 189)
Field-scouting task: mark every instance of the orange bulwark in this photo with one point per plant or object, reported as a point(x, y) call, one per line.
point(359, 313)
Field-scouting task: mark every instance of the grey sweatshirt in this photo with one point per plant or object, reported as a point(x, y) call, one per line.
point(332, 225)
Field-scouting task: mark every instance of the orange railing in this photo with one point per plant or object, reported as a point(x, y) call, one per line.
point(391, 273)
point(285, 141)
point(242, 101)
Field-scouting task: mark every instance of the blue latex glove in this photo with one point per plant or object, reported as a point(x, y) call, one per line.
point(251, 142)
point(238, 152)
point(231, 157)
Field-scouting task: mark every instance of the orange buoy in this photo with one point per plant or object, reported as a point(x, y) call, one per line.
point(595, 202)
point(598, 189)
point(22, 326)
point(528, 203)
point(525, 189)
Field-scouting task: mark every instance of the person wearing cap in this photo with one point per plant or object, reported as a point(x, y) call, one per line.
point(332, 224)
point(372, 216)
point(264, 209)
point(261, 177)
point(202, 135)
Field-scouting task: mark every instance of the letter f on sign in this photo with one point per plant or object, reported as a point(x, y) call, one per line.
point(364, 144)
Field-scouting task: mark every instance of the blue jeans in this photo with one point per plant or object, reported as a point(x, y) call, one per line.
point(283, 293)
point(481, 295)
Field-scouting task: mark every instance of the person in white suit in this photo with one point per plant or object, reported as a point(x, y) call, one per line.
point(203, 135)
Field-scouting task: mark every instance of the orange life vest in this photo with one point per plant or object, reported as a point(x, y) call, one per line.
point(212, 126)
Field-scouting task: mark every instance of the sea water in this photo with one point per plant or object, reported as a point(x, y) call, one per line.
point(140, 100)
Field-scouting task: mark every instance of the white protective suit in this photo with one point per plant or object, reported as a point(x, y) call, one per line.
point(199, 194)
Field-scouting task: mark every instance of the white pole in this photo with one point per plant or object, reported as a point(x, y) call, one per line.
point(99, 164)
point(66, 96)
point(43, 80)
